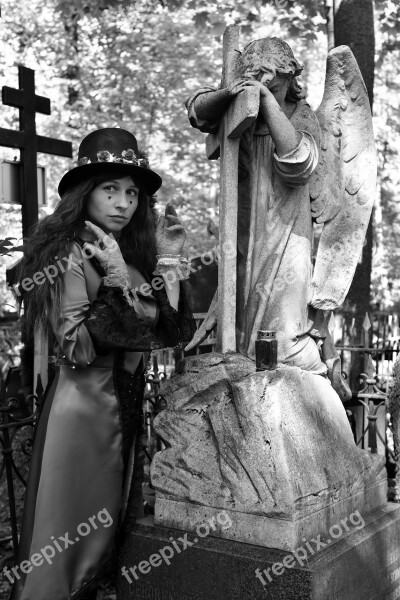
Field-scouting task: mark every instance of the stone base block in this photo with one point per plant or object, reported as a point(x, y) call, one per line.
point(273, 448)
point(361, 564)
point(283, 534)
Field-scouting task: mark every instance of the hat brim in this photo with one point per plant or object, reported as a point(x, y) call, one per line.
point(147, 179)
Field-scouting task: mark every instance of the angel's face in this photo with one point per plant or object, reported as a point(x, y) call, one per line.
point(276, 83)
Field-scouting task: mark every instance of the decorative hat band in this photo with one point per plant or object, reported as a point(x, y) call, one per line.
point(128, 157)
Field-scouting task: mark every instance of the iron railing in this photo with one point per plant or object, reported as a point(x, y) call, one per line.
point(367, 411)
point(18, 415)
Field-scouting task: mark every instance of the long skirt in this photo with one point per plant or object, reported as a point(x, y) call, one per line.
point(85, 471)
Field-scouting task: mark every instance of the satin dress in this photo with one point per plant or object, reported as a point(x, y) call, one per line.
point(81, 469)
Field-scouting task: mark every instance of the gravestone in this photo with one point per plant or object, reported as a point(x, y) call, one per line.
point(271, 453)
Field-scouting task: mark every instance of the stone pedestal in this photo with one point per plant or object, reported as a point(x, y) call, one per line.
point(273, 449)
point(361, 564)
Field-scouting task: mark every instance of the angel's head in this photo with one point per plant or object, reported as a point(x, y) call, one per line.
point(271, 61)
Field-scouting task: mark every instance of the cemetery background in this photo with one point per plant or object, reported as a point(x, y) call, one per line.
point(132, 64)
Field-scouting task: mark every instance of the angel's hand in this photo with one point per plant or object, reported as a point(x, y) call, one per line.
point(237, 86)
point(246, 83)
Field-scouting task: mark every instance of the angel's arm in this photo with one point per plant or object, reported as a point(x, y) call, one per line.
point(296, 165)
point(199, 108)
point(285, 136)
point(212, 105)
point(296, 144)
point(207, 106)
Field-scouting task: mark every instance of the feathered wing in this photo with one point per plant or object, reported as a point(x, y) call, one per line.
point(207, 325)
point(342, 188)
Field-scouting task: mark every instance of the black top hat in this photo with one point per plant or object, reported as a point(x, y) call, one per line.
point(111, 149)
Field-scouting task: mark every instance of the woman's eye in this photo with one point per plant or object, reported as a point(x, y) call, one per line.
point(132, 193)
point(110, 188)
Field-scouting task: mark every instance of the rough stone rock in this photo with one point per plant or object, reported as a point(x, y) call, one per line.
point(270, 443)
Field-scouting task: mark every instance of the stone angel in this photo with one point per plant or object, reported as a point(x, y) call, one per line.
point(296, 167)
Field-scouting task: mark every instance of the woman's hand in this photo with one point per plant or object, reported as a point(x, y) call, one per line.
point(170, 234)
point(107, 252)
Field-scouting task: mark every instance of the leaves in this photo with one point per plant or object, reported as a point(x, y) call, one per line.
point(6, 245)
point(132, 63)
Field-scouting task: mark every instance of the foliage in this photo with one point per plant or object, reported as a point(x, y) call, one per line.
point(133, 64)
point(386, 264)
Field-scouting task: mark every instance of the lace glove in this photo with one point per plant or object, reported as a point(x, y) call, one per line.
point(170, 233)
point(170, 239)
point(109, 257)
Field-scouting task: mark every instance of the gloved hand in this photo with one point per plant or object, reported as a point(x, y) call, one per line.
point(107, 252)
point(170, 234)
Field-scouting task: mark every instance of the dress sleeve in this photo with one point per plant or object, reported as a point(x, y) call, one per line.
point(70, 330)
point(114, 324)
point(297, 166)
point(195, 121)
point(86, 329)
point(174, 327)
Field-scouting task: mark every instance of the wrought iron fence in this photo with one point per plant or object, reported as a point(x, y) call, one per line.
point(368, 354)
point(10, 344)
point(18, 414)
point(377, 346)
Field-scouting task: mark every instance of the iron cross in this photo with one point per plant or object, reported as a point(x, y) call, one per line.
point(28, 141)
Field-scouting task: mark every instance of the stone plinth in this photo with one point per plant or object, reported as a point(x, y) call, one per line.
point(274, 449)
point(363, 564)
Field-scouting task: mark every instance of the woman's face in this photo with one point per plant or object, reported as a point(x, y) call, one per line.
point(112, 204)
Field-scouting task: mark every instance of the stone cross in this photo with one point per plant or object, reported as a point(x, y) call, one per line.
point(28, 141)
point(241, 113)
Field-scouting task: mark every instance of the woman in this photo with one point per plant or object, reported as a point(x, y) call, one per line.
point(103, 318)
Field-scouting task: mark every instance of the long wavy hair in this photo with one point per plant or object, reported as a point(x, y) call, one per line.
point(52, 239)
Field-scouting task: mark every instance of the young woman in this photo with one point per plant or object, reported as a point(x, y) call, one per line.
point(104, 246)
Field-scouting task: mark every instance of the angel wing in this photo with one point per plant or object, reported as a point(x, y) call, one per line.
point(342, 188)
point(207, 325)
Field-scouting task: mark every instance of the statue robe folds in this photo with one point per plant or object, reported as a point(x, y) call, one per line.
point(80, 474)
point(274, 268)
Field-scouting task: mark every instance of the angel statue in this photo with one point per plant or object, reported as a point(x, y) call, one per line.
point(295, 166)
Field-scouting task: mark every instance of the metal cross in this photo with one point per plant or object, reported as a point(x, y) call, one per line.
point(28, 141)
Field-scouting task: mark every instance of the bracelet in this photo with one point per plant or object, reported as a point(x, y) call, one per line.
point(175, 263)
point(168, 261)
point(171, 258)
